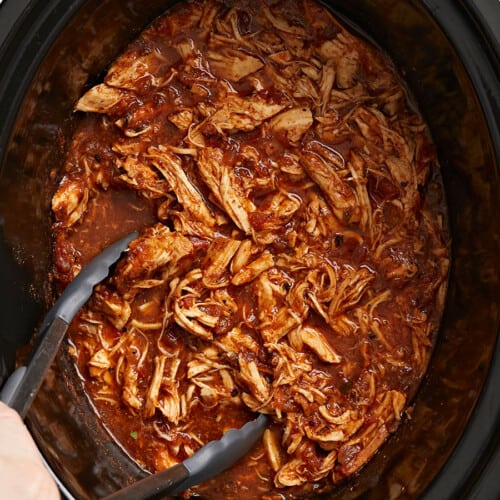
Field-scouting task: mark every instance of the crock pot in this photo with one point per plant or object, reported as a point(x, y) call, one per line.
point(448, 51)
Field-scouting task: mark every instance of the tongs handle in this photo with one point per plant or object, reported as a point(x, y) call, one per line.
point(22, 386)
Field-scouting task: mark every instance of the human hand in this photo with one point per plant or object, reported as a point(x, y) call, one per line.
point(22, 473)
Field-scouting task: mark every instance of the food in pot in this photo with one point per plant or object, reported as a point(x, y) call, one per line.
point(293, 252)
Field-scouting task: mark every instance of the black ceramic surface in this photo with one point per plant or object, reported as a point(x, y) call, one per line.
point(52, 50)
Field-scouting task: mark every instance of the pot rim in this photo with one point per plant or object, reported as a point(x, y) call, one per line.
point(21, 23)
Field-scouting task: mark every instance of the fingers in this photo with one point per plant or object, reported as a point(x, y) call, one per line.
point(22, 474)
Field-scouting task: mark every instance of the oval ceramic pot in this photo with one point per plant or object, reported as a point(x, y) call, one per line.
point(51, 50)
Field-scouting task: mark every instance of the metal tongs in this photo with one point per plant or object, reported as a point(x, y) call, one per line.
point(207, 462)
point(22, 386)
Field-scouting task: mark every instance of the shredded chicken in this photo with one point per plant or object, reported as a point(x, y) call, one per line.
point(293, 252)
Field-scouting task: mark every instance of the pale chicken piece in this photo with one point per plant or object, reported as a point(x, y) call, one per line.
point(99, 366)
point(322, 279)
point(272, 448)
point(338, 428)
point(225, 187)
point(133, 71)
point(386, 415)
point(293, 432)
point(277, 212)
point(347, 69)
point(212, 391)
point(357, 168)
point(275, 318)
point(290, 365)
point(312, 68)
point(70, 201)
point(370, 441)
point(291, 474)
point(252, 160)
point(194, 313)
point(293, 123)
point(297, 45)
point(196, 73)
point(352, 284)
point(140, 176)
point(233, 64)
point(186, 225)
point(186, 306)
point(243, 255)
point(207, 16)
point(182, 119)
point(281, 57)
point(370, 123)
point(187, 319)
point(170, 403)
point(163, 391)
point(343, 53)
point(297, 298)
point(306, 89)
point(326, 85)
point(265, 291)
point(154, 249)
point(317, 342)
point(130, 391)
point(235, 341)
point(340, 195)
point(405, 177)
point(217, 260)
point(389, 405)
point(399, 153)
point(294, 472)
point(234, 113)
point(188, 195)
point(248, 273)
point(280, 82)
point(133, 349)
point(255, 382)
point(179, 150)
point(130, 147)
point(101, 99)
point(212, 377)
point(349, 418)
point(228, 381)
point(285, 320)
point(206, 361)
point(116, 309)
point(226, 302)
point(320, 219)
point(154, 386)
point(188, 400)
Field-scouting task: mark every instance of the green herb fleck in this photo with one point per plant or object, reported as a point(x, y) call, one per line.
point(134, 435)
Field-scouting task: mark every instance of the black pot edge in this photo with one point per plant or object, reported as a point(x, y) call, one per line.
point(478, 477)
point(22, 49)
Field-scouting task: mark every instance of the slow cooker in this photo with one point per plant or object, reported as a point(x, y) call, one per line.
point(448, 51)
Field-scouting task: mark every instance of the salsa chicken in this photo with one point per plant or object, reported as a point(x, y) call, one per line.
point(293, 250)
